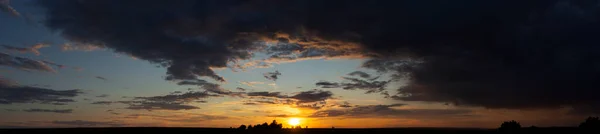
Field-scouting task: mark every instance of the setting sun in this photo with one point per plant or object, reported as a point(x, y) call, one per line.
point(294, 121)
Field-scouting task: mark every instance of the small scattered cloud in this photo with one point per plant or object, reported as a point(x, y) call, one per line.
point(345, 105)
point(103, 96)
point(240, 89)
point(80, 47)
point(267, 94)
point(60, 111)
point(272, 75)
point(251, 83)
point(113, 112)
point(360, 74)
point(101, 78)
point(78, 68)
point(102, 102)
point(312, 96)
point(33, 49)
point(11, 92)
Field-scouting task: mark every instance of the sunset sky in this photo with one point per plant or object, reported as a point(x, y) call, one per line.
point(354, 64)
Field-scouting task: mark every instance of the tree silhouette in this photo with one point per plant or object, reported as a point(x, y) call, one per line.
point(590, 123)
point(510, 127)
point(242, 127)
point(265, 126)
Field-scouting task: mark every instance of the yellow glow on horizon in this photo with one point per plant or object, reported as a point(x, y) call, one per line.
point(294, 121)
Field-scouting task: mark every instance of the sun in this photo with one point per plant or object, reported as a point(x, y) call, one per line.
point(294, 121)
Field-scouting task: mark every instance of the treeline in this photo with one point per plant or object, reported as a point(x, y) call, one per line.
point(265, 126)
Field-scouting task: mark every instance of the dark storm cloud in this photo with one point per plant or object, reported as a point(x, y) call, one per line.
point(272, 75)
point(83, 123)
point(493, 53)
point(102, 78)
point(5, 7)
point(11, 92)
point(60, 111)
point(388, 111)
point(24, 63)
point(103, 96)
point(189, 42)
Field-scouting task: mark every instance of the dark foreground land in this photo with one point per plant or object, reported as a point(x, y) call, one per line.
point(285, 131)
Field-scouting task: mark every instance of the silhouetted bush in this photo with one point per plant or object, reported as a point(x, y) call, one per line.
point(510, 127)
point(592, 123)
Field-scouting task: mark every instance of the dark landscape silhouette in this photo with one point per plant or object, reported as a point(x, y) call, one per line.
point(591, 125)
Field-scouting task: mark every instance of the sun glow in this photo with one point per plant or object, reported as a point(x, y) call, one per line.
point(294, 121)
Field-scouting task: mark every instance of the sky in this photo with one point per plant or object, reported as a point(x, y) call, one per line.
point(343, 64)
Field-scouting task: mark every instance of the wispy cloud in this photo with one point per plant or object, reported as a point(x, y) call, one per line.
point(81, 47)
point(365, 82)
point(101, 78)
point(389, 111)
point(61, 111)
point(11, 92)
point(173, 101)
point(103, 96)
point(251, 83)
point(102, 102)
point(5, 7)
point(301, 97)
point(25, 63)
point(33, 49)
